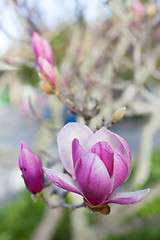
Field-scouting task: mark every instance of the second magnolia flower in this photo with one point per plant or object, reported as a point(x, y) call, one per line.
point(98, 162)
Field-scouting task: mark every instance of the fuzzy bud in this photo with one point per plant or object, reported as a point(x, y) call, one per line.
point(119, 113)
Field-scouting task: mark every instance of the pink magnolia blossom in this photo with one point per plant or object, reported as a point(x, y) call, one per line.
point(138, 8)
point(47, 68)
point(32, 171)
point(98, 162)
point(42, 48)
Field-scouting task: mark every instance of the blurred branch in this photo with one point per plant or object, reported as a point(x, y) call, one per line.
point(48, 224)
point(62, 203)
point(39, 118)
point(136, 224)
point(144, 162)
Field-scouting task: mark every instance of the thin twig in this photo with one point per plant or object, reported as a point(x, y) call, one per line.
point(61, 204)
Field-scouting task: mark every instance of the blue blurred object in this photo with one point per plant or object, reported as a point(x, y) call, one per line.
point(47, 113)
point(68, 116)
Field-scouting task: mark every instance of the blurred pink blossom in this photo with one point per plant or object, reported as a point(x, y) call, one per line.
point(138, 8)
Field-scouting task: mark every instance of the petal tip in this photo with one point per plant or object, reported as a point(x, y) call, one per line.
point(147, 190)
point(23, 145)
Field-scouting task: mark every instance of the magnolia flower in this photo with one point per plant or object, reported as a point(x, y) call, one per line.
point(42, 48)
point(31, 167)
point(98, 162)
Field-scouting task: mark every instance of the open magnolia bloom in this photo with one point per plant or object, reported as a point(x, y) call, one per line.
point(98, 162)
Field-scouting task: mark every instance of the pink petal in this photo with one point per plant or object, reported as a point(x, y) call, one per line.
point(65, 138)
point(77, 151)
point(93, 177)
point(42, 48)
point(112, 139)
point(125, 144)
point(37, 45)
point(48, 52)
point(47, 68)
point(106, 154)
point(120, 170)
point(128, 197)
point(62, 180)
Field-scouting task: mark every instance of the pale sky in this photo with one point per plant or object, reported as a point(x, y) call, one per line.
point(52, 13)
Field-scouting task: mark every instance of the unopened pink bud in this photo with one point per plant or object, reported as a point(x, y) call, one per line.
point(31, 167)
point(42, 48)
point(47, 68)
point(138, 8)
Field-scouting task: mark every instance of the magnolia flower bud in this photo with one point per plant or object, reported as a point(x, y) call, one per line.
point(119, 113)
point(49, 76)
point(45, 84)
point(47, 69)
point(42, 48)
point(31, 167)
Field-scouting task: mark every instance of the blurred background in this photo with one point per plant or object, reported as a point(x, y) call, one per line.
point(106, 52)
